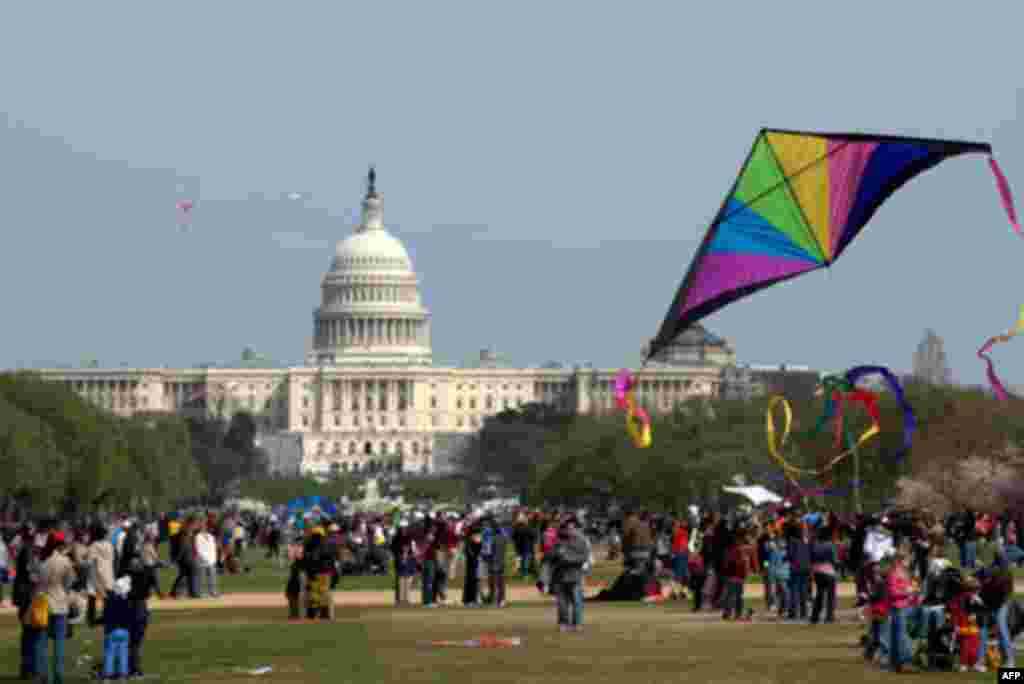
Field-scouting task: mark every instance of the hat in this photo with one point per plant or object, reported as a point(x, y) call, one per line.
point(123, 586)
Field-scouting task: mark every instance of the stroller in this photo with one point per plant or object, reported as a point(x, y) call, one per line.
point(937, 647)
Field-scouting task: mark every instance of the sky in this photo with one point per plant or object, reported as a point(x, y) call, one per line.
point(551, 168)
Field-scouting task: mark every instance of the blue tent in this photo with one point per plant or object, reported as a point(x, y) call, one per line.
point(307, 503)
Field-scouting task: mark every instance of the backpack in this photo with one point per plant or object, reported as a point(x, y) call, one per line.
point(38, 614)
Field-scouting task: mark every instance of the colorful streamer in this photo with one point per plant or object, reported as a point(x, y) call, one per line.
point(1005, 194)
point(857, 373)
point(997, 386)
point(638, 422)
point(776, 444)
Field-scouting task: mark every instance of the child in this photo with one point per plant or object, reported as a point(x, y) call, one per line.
point(969, 639)
point(118, 623)
point(778, 573)
point(405, 568)
point(878, 608)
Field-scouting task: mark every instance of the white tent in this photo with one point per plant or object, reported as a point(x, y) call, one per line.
point(757, 494)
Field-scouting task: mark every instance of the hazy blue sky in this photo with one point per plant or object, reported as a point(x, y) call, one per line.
point(551, 167)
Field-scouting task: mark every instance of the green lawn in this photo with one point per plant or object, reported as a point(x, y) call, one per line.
point(624, 642)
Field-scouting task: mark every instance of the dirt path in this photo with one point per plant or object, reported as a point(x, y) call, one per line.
point(516, 594)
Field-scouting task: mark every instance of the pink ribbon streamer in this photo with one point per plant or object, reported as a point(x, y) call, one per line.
point(1007, 196)
point(993, 379)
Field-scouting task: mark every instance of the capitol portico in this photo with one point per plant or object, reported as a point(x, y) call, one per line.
point(369, 397)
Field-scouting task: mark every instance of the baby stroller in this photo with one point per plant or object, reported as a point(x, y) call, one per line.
point(937, 641)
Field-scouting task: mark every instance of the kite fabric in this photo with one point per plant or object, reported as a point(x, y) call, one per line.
point(997, 385)
point(799, 200)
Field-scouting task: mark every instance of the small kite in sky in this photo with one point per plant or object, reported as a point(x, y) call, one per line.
point(184, 210)
point(294, 196)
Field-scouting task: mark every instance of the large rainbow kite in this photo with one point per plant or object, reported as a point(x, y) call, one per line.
point(799, 200)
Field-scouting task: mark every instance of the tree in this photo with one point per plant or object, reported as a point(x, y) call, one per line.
point(60, 453)
point(510, 445)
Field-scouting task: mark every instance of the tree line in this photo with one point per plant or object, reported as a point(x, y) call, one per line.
point(61, 454)
point(556, 457)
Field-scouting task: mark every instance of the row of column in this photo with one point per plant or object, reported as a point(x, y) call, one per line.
point(364, 331)
point(370, 395)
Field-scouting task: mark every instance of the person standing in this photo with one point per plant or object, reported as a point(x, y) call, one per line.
point(471, 585)
point(144, 582)
point(117, 626)
point(680, 558)
point(496, 564)
point(823, 565)
point(899, 591)
point(186, 560)
point(568, 558)
point(100, 559)
point(799, 553)
point(27, 579)
point(58, 574)
point(996, 591)
point(206, 562)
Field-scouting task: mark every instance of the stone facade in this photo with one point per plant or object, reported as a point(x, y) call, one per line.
point(369, 398)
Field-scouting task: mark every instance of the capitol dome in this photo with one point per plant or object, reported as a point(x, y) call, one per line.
point(370, 311)
point(371, 249)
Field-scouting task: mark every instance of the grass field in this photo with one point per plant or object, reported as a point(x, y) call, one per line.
point(623, 642)
point(223, 641)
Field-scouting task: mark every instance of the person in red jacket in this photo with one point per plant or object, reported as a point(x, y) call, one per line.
point(680, 558)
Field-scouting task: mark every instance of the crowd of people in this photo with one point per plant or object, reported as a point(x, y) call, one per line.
point(103, 575)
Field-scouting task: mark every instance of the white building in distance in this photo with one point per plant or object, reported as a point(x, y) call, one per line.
point(369, 398)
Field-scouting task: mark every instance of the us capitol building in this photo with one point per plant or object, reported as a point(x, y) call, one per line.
point(369, 398)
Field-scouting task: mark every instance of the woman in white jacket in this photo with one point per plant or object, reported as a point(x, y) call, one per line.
point(206, 552)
